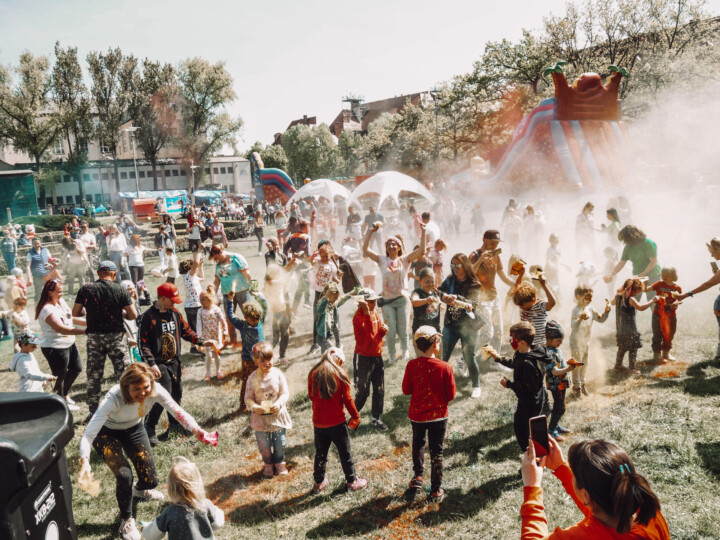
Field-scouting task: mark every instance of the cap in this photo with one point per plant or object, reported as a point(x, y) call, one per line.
point(28, 338)
point(107, 266)
point(322, 242)
point(369, 294)
point(169, 290)
point(424, 335)
point(492, 234)
point(553, 330)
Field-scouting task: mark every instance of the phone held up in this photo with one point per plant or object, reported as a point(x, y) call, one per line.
point(254, 287)
point(539, 435)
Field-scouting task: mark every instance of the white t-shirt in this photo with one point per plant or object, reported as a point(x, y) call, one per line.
point(117, 244)
point(77, 252)
point(194, 233)
point(50, 338)
point(88, 239)
point(324, 273)
point(172, 266)
point(193, 288)
point(394, 274)
point(135, 255)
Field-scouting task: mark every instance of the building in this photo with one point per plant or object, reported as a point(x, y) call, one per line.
point(360, 115)
point(304, 121)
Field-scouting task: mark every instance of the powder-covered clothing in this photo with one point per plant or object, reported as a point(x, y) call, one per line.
point(182, 523)
point(393, 273)
point(51, 338)
point(537, 316)
point(114, 413)
point(249, 334)
point(193, 288)
point(324, 274)
point(232, 272)
point(557, 362)
point(26, 366)
point(104, 301)
point(159, 334)
point(211, 324)
point(580, 330)
point(426, 314)
point(666, 291)
point(430, 383)
point(331, 412)
point(269, 390)
point(327, 315)
point(626, 331)
point(528, 375)
point(172, 264)
point(535, 526)
point(369, 333)
point(466, 291)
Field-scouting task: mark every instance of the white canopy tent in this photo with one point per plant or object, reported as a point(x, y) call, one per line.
point(321, 187)
point(389, 184)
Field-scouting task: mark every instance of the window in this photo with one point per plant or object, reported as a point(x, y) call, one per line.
point(215, 170)
point(76, 177)
point(78, 200)
point(59, 148)
point(183, 172)
point(48, 200)
point(222, 170)
point(86, 177)
point(231, 187)
point(207, 170)
point(98, 198)
point(105, 176)
point(175, 172)
point(142, 174)
point(66, 178)
point(123, 175)
point(96, 176)
point(113, 175)
point(132, 174)
point(68, 199)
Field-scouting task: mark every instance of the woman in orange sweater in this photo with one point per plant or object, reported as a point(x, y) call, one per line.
point(616, 501)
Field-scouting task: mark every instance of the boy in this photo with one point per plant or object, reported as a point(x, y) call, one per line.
point(581, 321)
point(24, 363)
point(425, 302)
point(528, 377)
point(172, 265)
point(368, 366)
point(557, 382)
point(430, 383)
point(716, 311)
point(251, 332)
point(533, 310)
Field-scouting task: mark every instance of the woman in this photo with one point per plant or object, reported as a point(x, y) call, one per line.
point(461, 291)
point(117, 433)
point(585, 232)
point(135, 254)
point(642, 253)
point(616, 501)
point(231, 274)
point(170, 228)
point(613, 229)
point(116, 246)
point(217, 230)
point(259, 223)
point(58, 338)
point(394, 268)
point(194, 228)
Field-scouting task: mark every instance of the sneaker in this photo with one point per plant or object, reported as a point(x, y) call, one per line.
point(220, 375)
point(416, 482)
point(72, 407)
point(147, 494)
point(317, 488)
point(357, 485)
point(260, 253)
point(268, 471)
point(152, 436)
point(280, 468)
point(314, 349)
point(282, 362)
point(307, 306)
point(69, 400)
point(174, 429)
point(563, 430)
point(669, 357)
point(436, 496)
point(378, 424)
point(462, 368)
point(555, 435)
point(128, 530)
point(619, 368)
point(584, 390)
point(406, 356)
point(633, 371)
point(656, 357)
point(476, 392)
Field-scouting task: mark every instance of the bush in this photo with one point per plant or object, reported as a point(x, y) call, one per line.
point(50, 223)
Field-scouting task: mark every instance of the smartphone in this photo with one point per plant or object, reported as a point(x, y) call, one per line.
point(494, 252)
point(254, 287)
point(714, 267)
point(539, 435)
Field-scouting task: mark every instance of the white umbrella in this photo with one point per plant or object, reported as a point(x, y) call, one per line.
point(321, 188)
point(389, 184)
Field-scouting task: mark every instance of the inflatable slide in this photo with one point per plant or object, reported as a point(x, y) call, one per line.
point(270, 184)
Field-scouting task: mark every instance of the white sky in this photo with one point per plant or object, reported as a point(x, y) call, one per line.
point(287, 58)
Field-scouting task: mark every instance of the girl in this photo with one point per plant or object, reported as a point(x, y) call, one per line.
point(259, 224)
point(329, 392)
point(217, 230)
point(265, 397)
point(212, 326)
point(192, 275)
point(172, 265)
point(664, 318)
point(600, 477)
point(135, 253)
point(19, 320)
point(281, 223)
point(328, 321)
point(627, 335)
point(436, 258)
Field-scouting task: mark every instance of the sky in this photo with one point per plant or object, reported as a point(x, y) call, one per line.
point(287, 58)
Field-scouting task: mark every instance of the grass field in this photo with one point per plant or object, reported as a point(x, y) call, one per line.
point(668, 419)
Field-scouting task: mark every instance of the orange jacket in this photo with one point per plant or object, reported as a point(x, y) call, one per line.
point(534, 523)
point(368, 333)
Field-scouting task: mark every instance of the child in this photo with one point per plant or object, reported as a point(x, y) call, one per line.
point(430, 383)
point(251, 332)
point(279, 307)
point(627, 335)
point(533, 310)
point(436, 258)
point(172, 264)
point(528, 365)
point(329, 392)
point(19, 320)
point(581, 321)
point(211, 326)
point(425, 302)
point(265, 397)
point(664, 317)
point(328, 322)
point(24, 363)
point(417, 266)
point(190, 516)
point(369, 332)
point(556, 378)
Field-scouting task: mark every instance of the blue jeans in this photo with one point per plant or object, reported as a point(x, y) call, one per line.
point(468, 340)
point(9, 260)
point(395, 316)
point(271, 445)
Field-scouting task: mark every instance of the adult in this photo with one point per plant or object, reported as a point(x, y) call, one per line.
point(601, 478)
point(162, 241)
point(642, 254)
point(325, 270)
point(613, 228)
point(105, 305)
point(159, 333)
point(169, 224)
point(585, 232)
point(90, 246)
point(9, 248)
point(117, 434)
point(135, 253)
point(116, 246)
point(37, 266)
point(58, 338)
point(487, 265)
point(217, 231)
point(195, 228)
point(258, 230)
point(352, 223)
point(231, 274)
point(297, 250)
point(371, 218)
point(77, 263)
point(462, 292)
point(193, 276)
point(274, 255)
point(432, 229)
point(394, 266)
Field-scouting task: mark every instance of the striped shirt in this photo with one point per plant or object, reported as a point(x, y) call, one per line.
point(537, 316)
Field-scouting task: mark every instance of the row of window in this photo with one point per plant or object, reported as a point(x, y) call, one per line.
point(72, 199)
point(131, 174)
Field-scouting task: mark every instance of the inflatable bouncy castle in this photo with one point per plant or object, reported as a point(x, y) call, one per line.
point(270, 184)
point(575, 141)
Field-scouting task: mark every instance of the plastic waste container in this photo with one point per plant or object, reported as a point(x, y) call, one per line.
point(35, 490)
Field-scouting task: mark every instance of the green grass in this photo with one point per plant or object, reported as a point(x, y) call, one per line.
point(667, 418)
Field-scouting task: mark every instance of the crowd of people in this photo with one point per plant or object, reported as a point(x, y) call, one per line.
point(392, 322)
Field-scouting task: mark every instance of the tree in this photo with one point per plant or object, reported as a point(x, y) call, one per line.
point(25, 120)
point(72, 108)
point(206, 90)
point(518, 63)
point(112, 83)
point(273, 156)
point(349, 148)
point(311, 152)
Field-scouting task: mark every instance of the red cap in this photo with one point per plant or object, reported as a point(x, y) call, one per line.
point(169, 290)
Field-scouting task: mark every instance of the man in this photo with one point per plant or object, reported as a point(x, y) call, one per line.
point(487, 264)
point(352, 224)
point(90, 246)
point(370, 219)
point(38, 266)
point(77, 264)
point(105, 305)
point(159, 333)
point(432, 229)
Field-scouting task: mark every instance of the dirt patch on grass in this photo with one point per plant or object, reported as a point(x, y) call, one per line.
point(671, 371)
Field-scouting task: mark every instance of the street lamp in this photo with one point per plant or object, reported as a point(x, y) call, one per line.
point(132, 130)
point(192, 172)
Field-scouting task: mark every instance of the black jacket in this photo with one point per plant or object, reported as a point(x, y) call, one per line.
point(528, 375)
point(159, 335)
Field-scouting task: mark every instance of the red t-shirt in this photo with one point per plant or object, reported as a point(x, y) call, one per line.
point(368, 333)
point(430, 383)
point(663, 289)
point(330, 412)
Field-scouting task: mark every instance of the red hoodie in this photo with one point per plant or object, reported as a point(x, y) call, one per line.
point(330, 412)
point(369, 333)
point(431, 384)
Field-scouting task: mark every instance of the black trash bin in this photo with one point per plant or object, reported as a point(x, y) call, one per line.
point(35, 490)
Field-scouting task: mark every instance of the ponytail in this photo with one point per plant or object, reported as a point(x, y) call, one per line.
point(632, 494)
